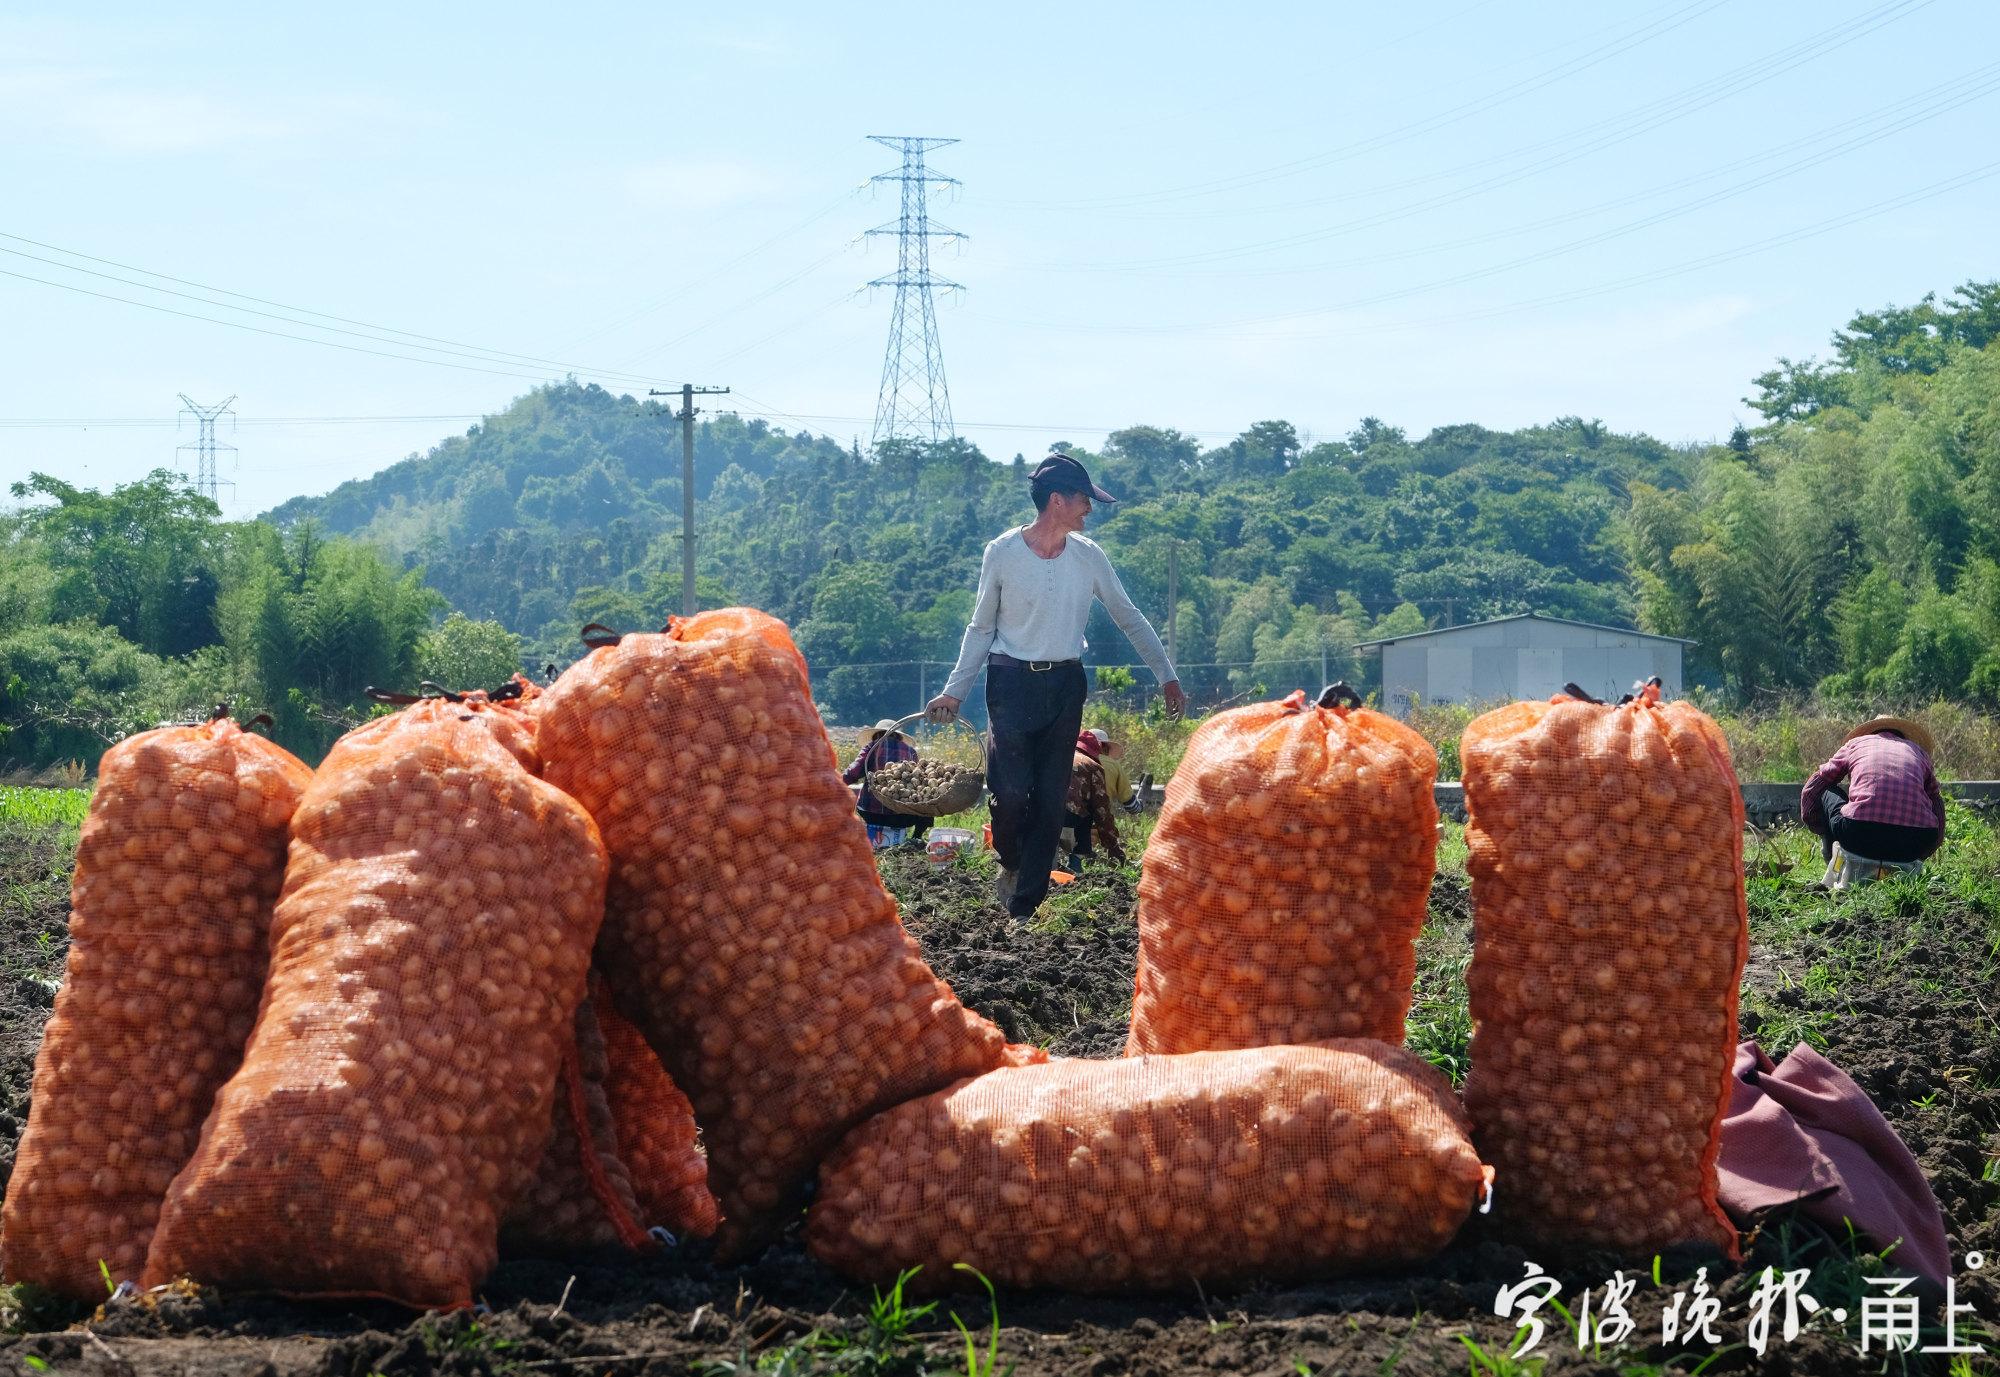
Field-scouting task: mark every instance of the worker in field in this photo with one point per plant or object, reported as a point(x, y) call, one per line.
point(1878, 795)
point(1087, 815)
point(1036, 586)
point(883, 745)
point(1117, 777)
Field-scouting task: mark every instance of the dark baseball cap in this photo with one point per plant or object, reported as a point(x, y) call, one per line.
point(1060, 473)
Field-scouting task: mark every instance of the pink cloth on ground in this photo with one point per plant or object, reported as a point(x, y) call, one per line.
point(1804, 1131)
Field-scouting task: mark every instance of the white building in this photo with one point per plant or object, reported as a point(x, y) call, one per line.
point(1523, 657)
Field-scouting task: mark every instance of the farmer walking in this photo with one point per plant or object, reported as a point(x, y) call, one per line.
point(1036, 585)
point(1877, 796)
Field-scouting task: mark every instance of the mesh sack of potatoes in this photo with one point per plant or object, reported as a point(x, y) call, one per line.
point(177, 869)
point(427, 957)
point(747, 931)
point(657, 1139)
point(580, 1197)
point(1606, 859)
point(1281, 893)
point(1264, 1164)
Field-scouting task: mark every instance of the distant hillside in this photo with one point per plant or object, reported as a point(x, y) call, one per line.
point(565, 509)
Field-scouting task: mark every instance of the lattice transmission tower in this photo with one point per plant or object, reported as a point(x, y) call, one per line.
point(205, 445)
point(914, 402)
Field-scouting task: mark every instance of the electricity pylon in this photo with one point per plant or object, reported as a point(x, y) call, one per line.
point(914, 402)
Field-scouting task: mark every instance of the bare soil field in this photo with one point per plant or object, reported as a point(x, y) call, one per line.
point(1897, 985)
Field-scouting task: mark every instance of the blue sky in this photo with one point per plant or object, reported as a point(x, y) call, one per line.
point(1177, 215)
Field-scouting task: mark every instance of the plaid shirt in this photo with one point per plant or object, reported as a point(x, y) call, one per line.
point(1889, 779)
point(886, 750)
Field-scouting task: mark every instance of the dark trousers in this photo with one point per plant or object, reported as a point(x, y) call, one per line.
point(1878, 841)
point(1034, 716)
point(1081, 828)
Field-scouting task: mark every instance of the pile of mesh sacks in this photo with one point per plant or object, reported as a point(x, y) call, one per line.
point(611, 962)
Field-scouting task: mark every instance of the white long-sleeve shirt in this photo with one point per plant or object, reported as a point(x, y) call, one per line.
point(1036, 609)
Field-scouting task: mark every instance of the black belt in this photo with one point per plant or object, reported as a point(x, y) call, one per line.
point(1039, 666)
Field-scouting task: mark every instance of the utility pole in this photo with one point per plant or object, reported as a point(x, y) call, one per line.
point(1173, 595)
point(914, 401)
point(688, 393)
point(205, 444)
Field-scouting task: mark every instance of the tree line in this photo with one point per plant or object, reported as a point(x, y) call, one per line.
point(122, 610)
point(1848, 544)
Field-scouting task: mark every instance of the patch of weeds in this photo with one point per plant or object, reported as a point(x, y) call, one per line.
point(798, 1359)
point(1440, 1022)
point(886, 1345)
point(890, 1318)
point(1502, 1363)
point(26, 1308)
point(975, 1365)
point(469, 1339)
point(1451, 849)
point(1394, 1358)
point(1840, 1268)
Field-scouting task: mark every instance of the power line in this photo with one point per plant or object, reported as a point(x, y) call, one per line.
point(1789, 237)
point(1605, 134)
point(735, 307)
point(275, 334)
point(1781, 152)
point(159, 423)
point(283, 313)
point(1987, 77)
point(689, 284)
point(1443, 119)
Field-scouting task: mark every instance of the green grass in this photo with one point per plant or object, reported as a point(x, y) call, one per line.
point(44, 807)
point(884, 1342)
point(1813, 952)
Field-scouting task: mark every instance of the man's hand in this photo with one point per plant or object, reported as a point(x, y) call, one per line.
point(1176, 700)
point(941, 710)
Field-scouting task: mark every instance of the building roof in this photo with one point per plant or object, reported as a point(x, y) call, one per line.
point(1525, 616)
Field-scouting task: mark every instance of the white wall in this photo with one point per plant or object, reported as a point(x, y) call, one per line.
point(1508, 661)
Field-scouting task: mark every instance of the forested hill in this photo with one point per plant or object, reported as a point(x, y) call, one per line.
point(1850, 545)
point(565, 509)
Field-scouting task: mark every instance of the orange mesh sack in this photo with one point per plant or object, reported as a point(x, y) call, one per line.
point(747, 931)
point(1282, 891)
point(177, 869)
point(1606, 857)
point(656, 1134)
point(1263, 1164)
point(581, 1194)
point(427, 957)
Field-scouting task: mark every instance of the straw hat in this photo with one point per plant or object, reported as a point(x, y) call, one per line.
point(1915, 731)
point(886, 727)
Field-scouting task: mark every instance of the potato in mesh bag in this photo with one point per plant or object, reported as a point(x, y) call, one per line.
point(1606, 858)
point(657, 1137)
point(427, 957)
point(747, 931)
point(1282, 891)
point(580, 1197)
point(177, 869)
point(1210, 1168)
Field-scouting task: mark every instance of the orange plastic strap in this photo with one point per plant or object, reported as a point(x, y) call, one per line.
point(629, 1232)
